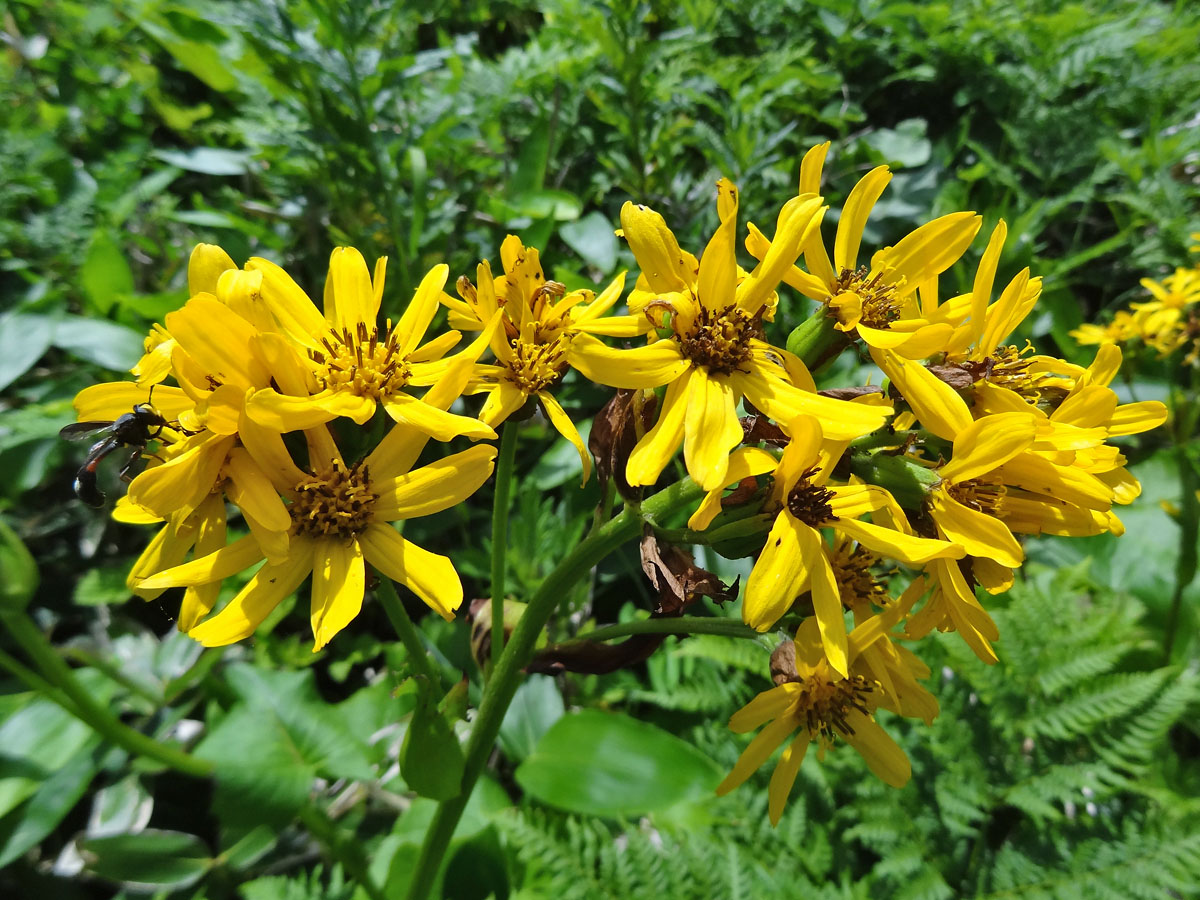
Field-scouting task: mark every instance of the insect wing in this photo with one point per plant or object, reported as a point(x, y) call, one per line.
point(82, 430)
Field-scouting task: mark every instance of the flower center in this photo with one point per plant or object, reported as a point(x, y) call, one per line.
point(856, 583)
point(361, 362)
point(719, 341)
point(537, 365)
point(825, 703)
point(880, 307)
point(809, 502)
point(335, 502)
point(980, 494)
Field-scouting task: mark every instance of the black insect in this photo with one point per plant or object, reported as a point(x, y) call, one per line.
point(132, 429)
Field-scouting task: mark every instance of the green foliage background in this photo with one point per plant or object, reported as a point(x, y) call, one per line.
point(134, 128)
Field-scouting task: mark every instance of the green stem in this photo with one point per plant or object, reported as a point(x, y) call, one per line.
point(37, 683)
point(99, 717)
point(500, 513)
point(507, 675)
point(1185, 406)
point(346, 852)
point(680, 625)
point(405, 629)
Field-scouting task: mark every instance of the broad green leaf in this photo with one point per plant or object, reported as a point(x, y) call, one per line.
point(431, 760)
point(149, 859)
point(904, 146)
point(98, 341)
point(608, 764)
point(121, 808)
point(36, 741)
point(593, 239)
point(29, 823)
point(208, 160)
point(24, 338)
point(18, 571)
point(105, 275)
point(536, 706)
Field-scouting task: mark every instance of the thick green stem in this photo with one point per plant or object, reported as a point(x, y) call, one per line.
point(405, 629)
point(500, 514)
point(507, 675)
point(680, 625)
point(99, 717)
point(1185, 408)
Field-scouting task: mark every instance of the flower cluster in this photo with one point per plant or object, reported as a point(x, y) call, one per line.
point(972, 442)
point(1168, 322)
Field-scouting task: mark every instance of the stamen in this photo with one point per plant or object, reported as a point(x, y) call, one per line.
point(880, 306)
point(809, 502)
point(336, 502)
point(719, 341)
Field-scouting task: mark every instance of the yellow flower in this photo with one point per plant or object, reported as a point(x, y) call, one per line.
point(713, 355)
point(538, 321)
point(347, 365)
point(796, 557)
point(824, 706)
point(338, 517)
point(880, 301)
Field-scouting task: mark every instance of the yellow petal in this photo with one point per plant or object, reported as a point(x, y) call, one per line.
point(251, 490)
point(798, 220)
point(985, 277)
point(656, 250)
point(353, 294)
point(743, 463)
point(428, 575)
point(718, 264)
point(857, 208)
point(411, 328)
point(435, 487)
point(779, 574)
point(1134, 418)
point(766, 705)
point(205, 266)
point(339, 579)
point(166, 550)
point(826, 600)
point(897, 545)
point(929, 250)
point(1007, 313)
point(710, 430)
point(810, 169)
point(840, 420)
point(987, 444)
point(641, 367)
point(503, 400)
point(801, 453)
point(183, 480)
point(291, 307)
point(784, 775)
point(882, 754)
point(267, 447)
point(1062, 483)
point(218, 340)
point(111, 400)
point(978, 533)
point(757, 753)
point(220, 564)
point(934, 402)
point(254, 602)
point(284, 364)
point(563, 425)
point(437, 423)
point(652, 453)
point(283, 413)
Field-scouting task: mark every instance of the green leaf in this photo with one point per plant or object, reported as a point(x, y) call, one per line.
point(208, 160)
point(148, 859)
point(904, 146)
point(102, 587)
point(593, 239)
point(18, 571)
point(431, 760)
point(607, 764)
point(24, 339)
point(37, 740)
point(536, 706)
point(105, 274)
point(97, 341)
point(25, 826)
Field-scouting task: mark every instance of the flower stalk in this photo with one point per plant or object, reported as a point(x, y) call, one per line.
point(506, 676)
point(500, 512)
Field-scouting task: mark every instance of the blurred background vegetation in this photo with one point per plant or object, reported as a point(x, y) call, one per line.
point(133, 129)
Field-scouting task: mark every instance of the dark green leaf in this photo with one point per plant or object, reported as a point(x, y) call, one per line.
point(148, 859)
point(536, 706)
point(104, 343)
point(593, 239)
point(105, 275)
point(24, 338)
point(28, 824)
point(431, 760)
point(608, 764)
